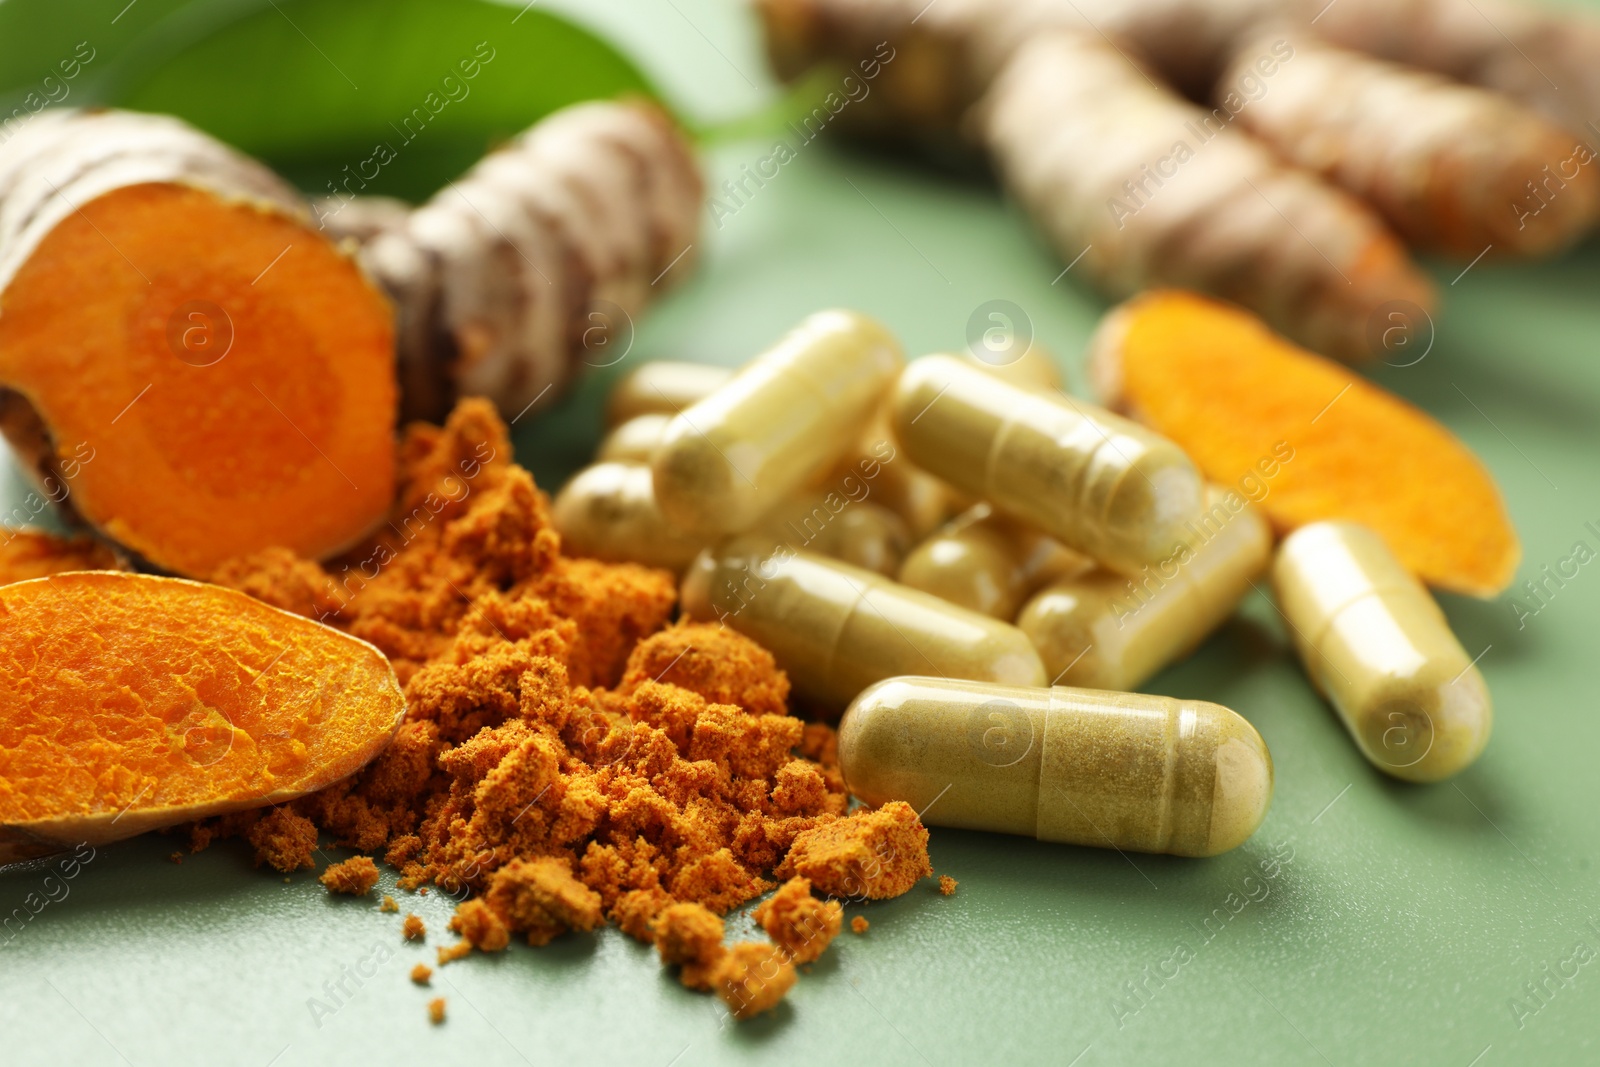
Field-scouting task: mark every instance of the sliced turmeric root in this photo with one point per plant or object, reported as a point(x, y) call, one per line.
point(130, 702)
point(1238, 398)
point(164, 301)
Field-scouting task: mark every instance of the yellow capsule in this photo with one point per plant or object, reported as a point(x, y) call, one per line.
point(922, 500)
point(1102, 630)
point(634, 441)
point(781, 421)
point(837, 629)
point(857, 532)
point(664, 387)
point(988, 563)
point(1034, 369)
point(1080, 766)
point(608, 511)
point(1095, 481)
point(1377, 645)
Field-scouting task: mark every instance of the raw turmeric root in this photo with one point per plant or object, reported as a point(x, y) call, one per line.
point(165, 300)
point(1086, 108)
point(1214, 379)
point(536, 260)
point(28, 554)
point(130, 702)
point(1467, 170)
point(1151, 191)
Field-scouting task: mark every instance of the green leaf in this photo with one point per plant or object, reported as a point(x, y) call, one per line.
point(323, 89)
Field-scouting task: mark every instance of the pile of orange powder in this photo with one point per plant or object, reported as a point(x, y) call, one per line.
point(568, 756)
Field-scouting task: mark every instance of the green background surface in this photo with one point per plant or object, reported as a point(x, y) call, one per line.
point(1404, 927)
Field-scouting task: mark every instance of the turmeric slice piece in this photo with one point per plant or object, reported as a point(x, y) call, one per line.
point(28, 554)
point(166, 307)
point(1316, 440)
point(130, 702)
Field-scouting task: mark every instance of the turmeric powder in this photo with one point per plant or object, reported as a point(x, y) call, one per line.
point(136, 702)
point(355, 876)
point(1214, 379)
point(566, 754)
point(798, 922)
point(28, 554)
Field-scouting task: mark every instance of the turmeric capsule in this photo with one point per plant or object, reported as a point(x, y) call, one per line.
point(988, 563)
point(608, 511)
point(1034, 369)
point(634, 441)
point(857, 532)
point(1102, 630)
point(922, 500)
point(664, 387)
point(1377, 645)
point(785, 418)
point(837, 629)
point(1095, 481)
point(1079, 766)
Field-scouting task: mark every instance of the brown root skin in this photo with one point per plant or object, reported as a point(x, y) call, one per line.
point(1227, 216)
point(1454, 168)
point(538, 259)
point(1248, 399)
point(157, 701)
point(210, 375)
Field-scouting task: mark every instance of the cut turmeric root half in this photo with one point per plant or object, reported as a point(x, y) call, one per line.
point(1305, 437)
point(131, 702)
point(167, 311)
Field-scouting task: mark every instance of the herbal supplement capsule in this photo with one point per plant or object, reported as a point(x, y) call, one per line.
point(837, 629)
point(634, 441)
point(988, 563)
point(1093, 480)
point(664, 387)
point(1102, 630)
point(857, 532)
point(1080, 766)
point(1377, 645)
point(922, 500)
point(1034, 369)
point(608, 511)
point(783, 419)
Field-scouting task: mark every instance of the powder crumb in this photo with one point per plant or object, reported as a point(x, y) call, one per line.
point(635, 912)
point(458, 951)
point(798, 922)
point(388, 904)
point(859, 924)
point(689, 936)
point(422, 974)
point(947, 884)
point(284, 840)
point(414, 928)
point(874, 854)
point(476, 922)
point(436, 1010)
point(752, 977)
point(422, 892)
point(355, 876)
point(542, 899)
point(176, 857)
point(28, 553)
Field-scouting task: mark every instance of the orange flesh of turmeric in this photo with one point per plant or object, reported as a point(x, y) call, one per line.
point(130, 702)
point(212, 436)
point(1218, 382)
